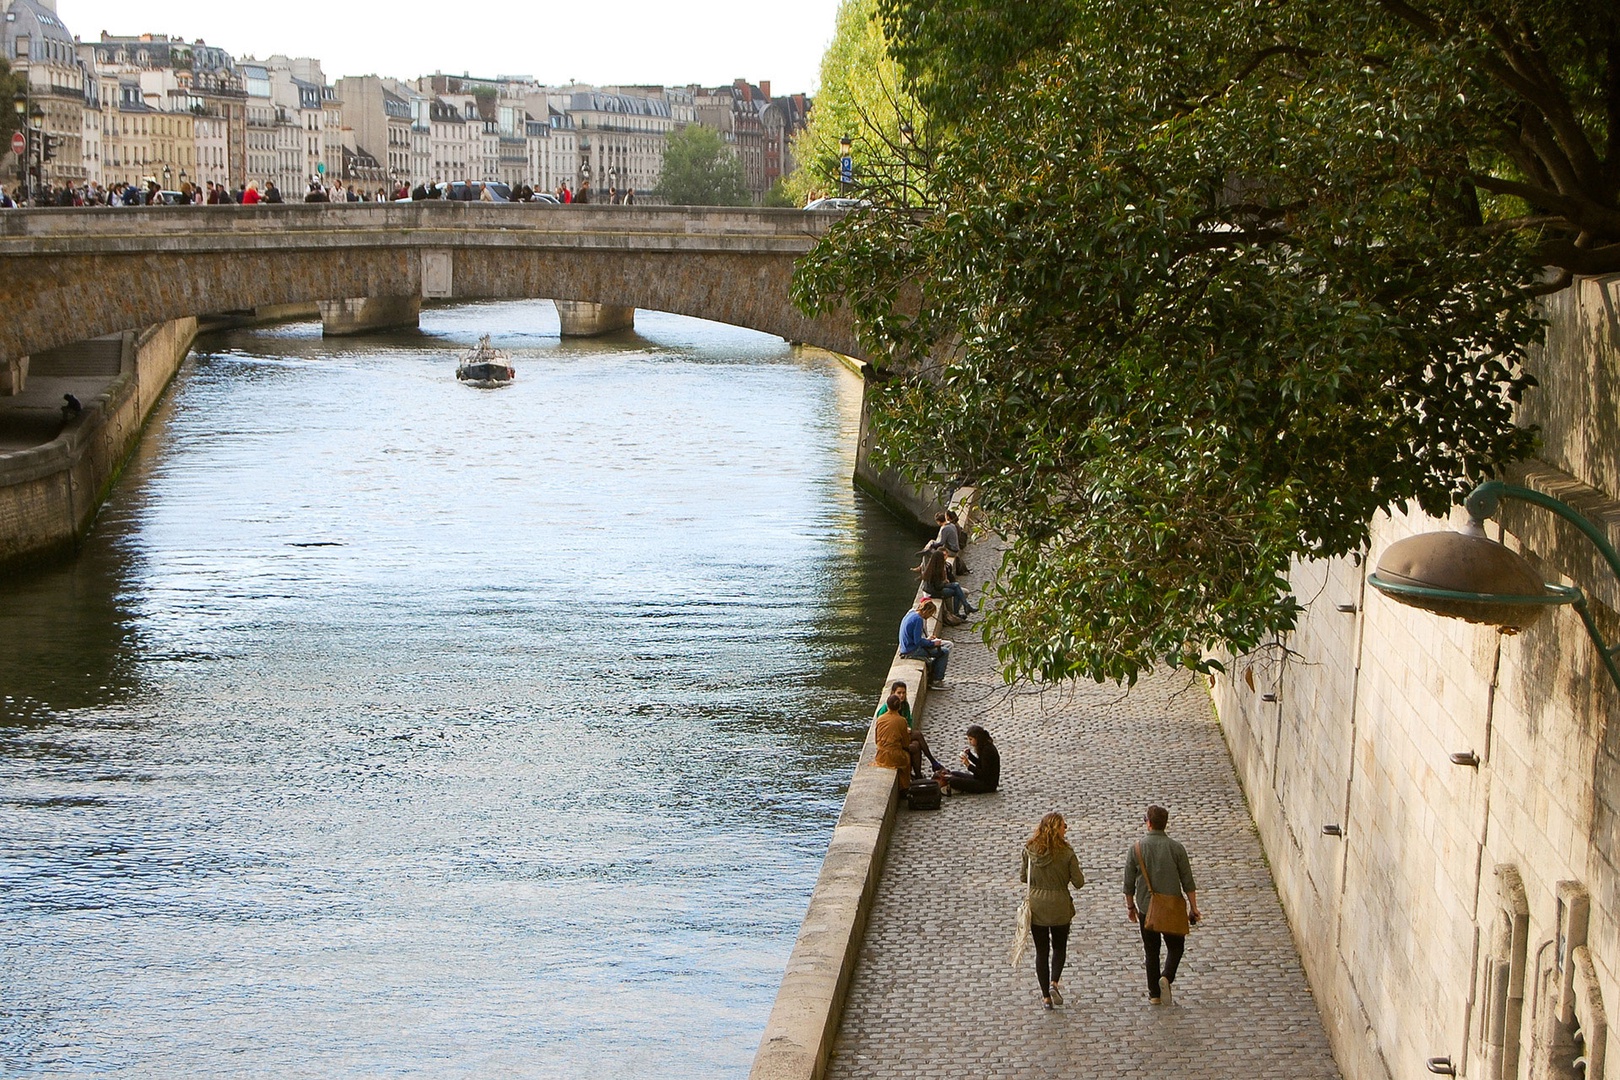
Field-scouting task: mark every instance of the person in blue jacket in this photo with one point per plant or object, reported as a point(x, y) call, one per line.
point(916, 644)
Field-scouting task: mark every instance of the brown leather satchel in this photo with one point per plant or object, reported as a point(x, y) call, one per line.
point(1167, 912)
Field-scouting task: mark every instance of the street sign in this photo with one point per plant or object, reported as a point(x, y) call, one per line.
point(846, 169)
point(320, 168)
point(18, 142)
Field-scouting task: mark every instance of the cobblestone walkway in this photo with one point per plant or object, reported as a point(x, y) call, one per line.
point(934, 994)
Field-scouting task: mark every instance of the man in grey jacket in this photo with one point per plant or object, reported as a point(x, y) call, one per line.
point(1166, 865)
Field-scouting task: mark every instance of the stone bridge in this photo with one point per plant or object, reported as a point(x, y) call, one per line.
point(71, 274)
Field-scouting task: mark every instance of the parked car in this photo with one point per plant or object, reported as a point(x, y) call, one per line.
point(837, 203)
point(456, 190)
point(169, 198)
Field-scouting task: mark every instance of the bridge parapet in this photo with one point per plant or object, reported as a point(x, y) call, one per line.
point(293, 225)
point(71, 274)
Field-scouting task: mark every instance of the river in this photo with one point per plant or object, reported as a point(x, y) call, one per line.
point(385, 726)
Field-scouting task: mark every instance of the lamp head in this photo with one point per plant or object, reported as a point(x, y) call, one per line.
point(1464, 575)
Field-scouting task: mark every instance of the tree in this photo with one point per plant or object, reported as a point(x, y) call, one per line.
point(699, 170)
point(11, 87)
point(862, 98)
point(1209, 286)
point(778, 195)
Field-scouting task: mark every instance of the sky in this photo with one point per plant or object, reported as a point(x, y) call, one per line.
point(605, 43)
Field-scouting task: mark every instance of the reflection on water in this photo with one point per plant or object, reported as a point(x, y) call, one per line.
point(387, 726)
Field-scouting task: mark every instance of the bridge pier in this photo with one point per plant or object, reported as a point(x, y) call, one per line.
point(13, 376)
point(369, 314)
point(581, 318)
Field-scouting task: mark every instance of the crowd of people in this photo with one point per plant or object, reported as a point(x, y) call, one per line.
point(1161, 895)
point(320, 190)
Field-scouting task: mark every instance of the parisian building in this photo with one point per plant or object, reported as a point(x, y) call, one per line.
point(129, 109)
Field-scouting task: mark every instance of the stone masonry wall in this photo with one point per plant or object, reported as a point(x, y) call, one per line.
point(1450, 918)
point(50, 494)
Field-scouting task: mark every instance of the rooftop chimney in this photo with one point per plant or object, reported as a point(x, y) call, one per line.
point(765, 89)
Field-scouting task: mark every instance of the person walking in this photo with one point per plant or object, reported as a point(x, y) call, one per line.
point(1050, 866)
point(1156, 864)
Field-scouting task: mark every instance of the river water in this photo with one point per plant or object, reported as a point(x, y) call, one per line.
point(390, 727)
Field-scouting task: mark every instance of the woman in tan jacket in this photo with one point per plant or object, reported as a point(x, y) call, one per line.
point(1050, 866)
point(893, 738)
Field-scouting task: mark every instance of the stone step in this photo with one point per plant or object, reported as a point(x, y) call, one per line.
point(96, 357)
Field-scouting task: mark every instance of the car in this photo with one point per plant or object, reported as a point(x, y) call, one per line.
point(456, 191)
point(169, 198)
point(837, 203)
point(546, 197)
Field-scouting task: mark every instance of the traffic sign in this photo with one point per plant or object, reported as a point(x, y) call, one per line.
point(18, 142)
point(320, 168)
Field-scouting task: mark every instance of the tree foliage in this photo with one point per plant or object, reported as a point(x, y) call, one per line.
point(1208, 286)
point(11, 85)
point(699, 170)
point(862, 98)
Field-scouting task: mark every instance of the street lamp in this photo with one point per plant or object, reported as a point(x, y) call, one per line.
point(36, 146)
point(907, 134)
point(166, 175)
point(21, 104)
point(1465, 575)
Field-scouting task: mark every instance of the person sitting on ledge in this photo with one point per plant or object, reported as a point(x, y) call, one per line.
point(892, 736)
point(984, 767)
point(937, 580)
point(918, 745)
point(915, 644)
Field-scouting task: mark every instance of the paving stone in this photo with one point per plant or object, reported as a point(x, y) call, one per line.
point(934, 994)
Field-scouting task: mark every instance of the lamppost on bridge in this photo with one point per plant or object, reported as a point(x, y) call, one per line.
point(166, 176)
point(22, 159)
point(36, 149)
point(907, 136)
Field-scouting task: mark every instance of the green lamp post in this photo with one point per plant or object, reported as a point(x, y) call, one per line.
point(1465, 575)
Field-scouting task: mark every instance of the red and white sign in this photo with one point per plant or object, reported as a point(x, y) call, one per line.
point(18, 143)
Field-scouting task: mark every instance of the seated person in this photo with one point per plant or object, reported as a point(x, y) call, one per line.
point(938, 580)
point(893, 737)
point(960, 558)
point(916, 644)
point(984, 767)
point(949, 540)
point(919, 745)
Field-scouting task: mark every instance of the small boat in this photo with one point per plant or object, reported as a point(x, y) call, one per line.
point(485, 365)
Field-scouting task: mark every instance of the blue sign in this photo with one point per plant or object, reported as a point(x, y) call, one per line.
point(846, 169)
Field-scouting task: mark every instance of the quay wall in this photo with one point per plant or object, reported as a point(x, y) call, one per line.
point(903, 499)
point(1468, 916)
point(803, 1024)
point(49, 494)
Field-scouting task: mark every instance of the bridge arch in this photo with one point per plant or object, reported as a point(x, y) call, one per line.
point(74, 274)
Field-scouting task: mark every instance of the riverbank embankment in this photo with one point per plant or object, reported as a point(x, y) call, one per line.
point(58, 462)
point(804, 1022)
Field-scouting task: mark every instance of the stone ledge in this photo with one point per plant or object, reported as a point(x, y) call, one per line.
point(803, 1024)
